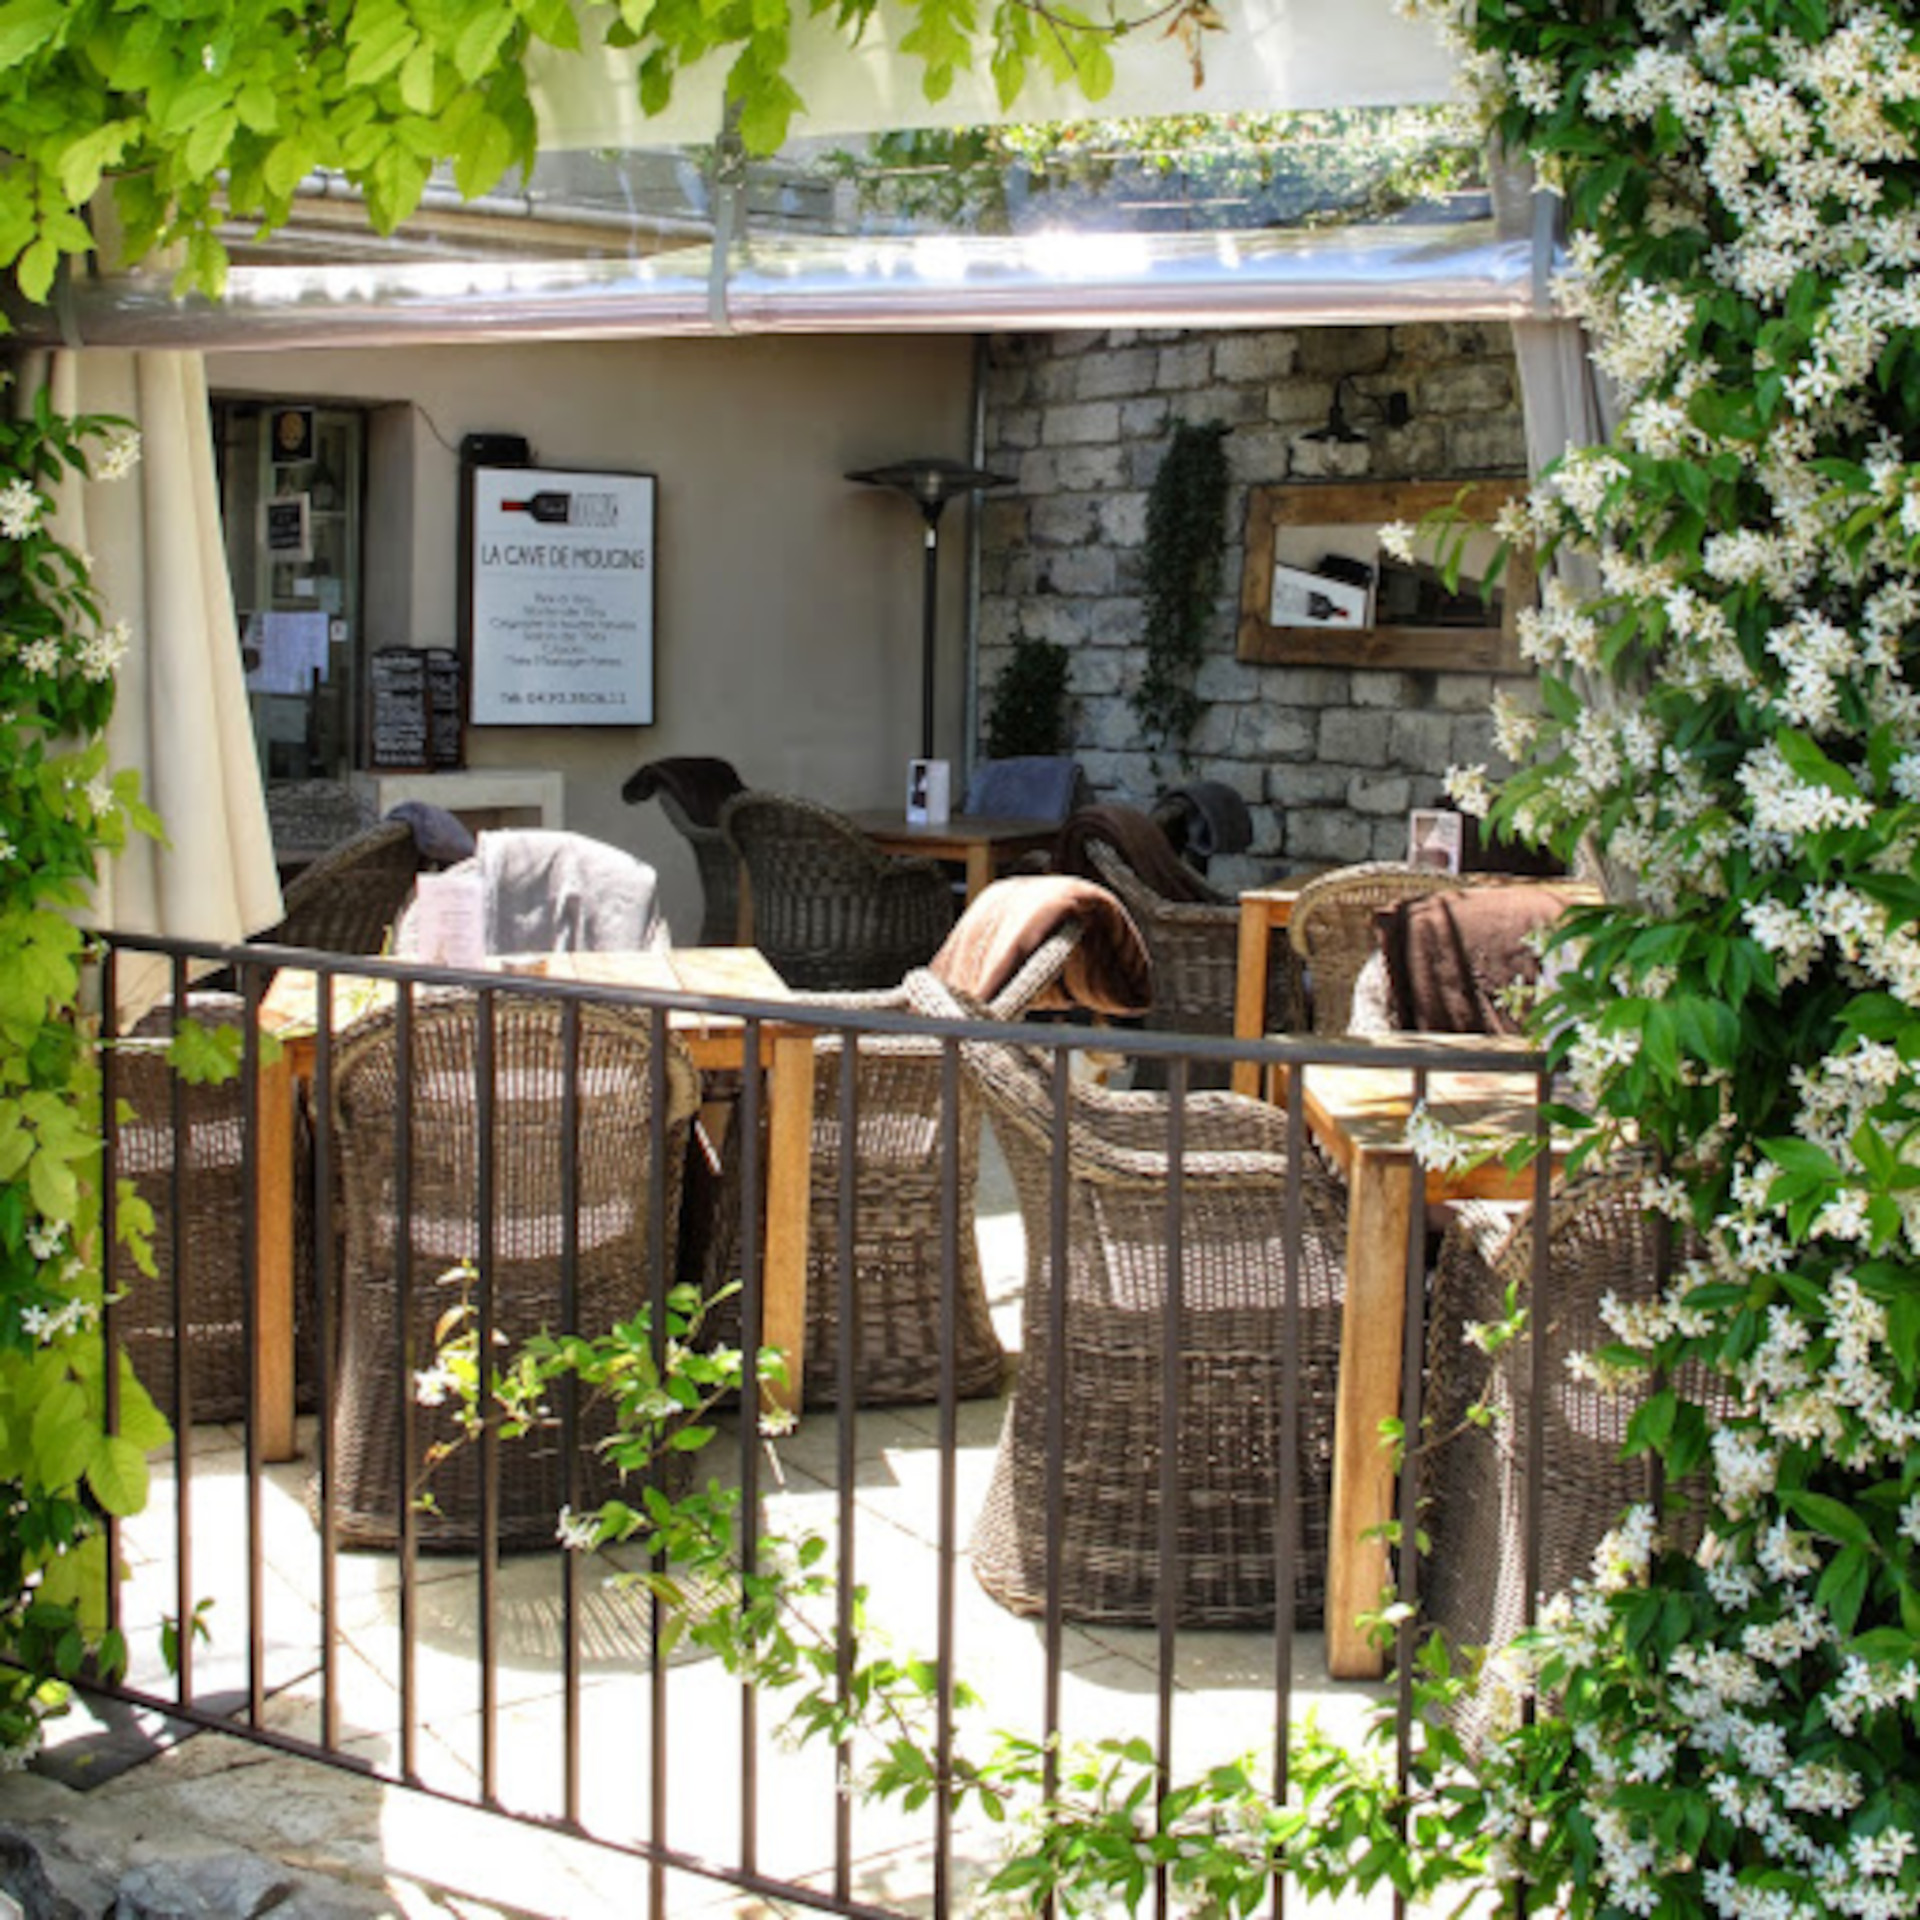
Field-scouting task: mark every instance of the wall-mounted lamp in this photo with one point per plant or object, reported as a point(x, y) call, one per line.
point(1394, 411)
point(930, 484)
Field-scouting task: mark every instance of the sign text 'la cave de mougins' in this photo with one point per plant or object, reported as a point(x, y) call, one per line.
point(562, 597)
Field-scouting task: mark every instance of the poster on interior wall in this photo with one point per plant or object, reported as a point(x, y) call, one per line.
point(561, 592)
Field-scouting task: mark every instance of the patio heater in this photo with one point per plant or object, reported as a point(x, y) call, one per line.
point(930, 484)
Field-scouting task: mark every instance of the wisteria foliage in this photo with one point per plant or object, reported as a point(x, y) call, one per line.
point(1730, 719)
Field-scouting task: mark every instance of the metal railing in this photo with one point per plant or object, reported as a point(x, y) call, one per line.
point(523, 1662)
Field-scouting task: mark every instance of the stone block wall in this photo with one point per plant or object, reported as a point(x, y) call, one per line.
point(1328, 759)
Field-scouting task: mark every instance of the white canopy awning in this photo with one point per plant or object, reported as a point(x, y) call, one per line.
point(941, 283)
point(1274, 56)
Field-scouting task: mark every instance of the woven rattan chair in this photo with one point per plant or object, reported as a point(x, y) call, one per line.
point(1331, 929)
point(1195, 948)
point(307, 818)
point(898, 1234)
point(830, 911)
point(612, 1172)
point(1474, 1470)
point(1107, 1388)
point(211, 1217)
point(347, 901)
point(691, 791)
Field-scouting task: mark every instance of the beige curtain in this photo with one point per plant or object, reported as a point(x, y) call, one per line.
point(181, 715)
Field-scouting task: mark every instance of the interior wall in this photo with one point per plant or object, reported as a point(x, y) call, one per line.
point(788, 600)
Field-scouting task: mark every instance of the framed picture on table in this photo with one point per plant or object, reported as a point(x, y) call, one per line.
point(1434, 838)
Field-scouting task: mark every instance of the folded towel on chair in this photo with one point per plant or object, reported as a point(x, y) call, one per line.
point(699, 784)
point(1141, 842)
point(1451, 955)
point(437, 834)
point(565, 893)
point(1107, 972)
point(1205, 817)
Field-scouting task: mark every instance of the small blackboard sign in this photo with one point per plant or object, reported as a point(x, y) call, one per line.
point(290, 527)
point(397, 691)
point(446, 709)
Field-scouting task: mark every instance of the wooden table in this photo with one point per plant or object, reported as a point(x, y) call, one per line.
point(981, 842)
point(290, 1012)
point(1262, 911)
point(1359, 1114)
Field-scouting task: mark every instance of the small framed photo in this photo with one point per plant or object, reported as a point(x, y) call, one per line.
point(929, 792)
point(1434, 839)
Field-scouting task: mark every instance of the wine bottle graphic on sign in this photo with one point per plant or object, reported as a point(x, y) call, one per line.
point(567, 509)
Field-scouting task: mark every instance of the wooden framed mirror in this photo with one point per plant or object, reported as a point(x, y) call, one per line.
point(1317, 590)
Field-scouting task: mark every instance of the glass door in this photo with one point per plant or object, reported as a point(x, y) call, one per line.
point(291, 489)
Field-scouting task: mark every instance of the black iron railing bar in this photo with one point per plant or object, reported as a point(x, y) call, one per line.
point(1406, 1558)
point(1407, 1052)
point(253, 990)
point(109, 1233)
point(569, 1402)
point(1059, 1173)
point(405, 1363)
point(949, 1413)
point(1287, 1534)
point(325, 1312)
point(847, 1118)
point(746, 1146)
point(1173, 1333)
point(487, 1548)
point(659, 1282)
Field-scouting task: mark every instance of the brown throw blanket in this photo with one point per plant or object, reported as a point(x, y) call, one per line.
point(1450, 954)
point(1106, 972)
point(700, 785)
point(1141, 842)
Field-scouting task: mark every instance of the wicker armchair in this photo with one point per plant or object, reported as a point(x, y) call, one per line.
point(213, 1190)
point(616, 1127)
point(349, 898)
point(1331, 929)
point(307, 818)
point(691, 791)
point(897, 1237)
point(1473, 1472)
point(1195, 948)
point(830, 910)
point(1106, 1387)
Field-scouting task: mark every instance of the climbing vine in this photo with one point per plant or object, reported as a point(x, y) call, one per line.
point(1180, 566)
point(62, 1468)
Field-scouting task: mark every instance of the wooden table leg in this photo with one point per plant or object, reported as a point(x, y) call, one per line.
point(273, 1387)
point(979, 872)
point(1250, 989)
point(1372, 1330)
point(789, 1176)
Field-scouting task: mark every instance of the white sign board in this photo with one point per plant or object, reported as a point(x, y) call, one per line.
point(562, 598)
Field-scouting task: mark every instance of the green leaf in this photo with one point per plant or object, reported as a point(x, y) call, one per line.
point(380, 38)
point(485, 153)
point(55, 1190)
point(1831, 1519)
point(416, 79)
point(63, 1435)
point(26, 26)
point(117, 1474)
point(480, 41)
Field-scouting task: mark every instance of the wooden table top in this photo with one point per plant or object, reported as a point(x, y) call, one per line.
point(291, 1005)
point(1360, 1110)
point(960, 829)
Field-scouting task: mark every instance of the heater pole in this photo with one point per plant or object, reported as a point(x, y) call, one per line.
point(929, 623)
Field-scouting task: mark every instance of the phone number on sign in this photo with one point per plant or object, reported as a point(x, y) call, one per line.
point(563, 699)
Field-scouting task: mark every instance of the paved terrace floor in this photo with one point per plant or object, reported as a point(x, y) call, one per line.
point(430, 1855)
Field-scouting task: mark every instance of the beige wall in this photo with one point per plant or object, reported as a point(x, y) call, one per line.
point(787, 633)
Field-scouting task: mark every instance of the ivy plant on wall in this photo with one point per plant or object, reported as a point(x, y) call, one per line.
point(1186, 535)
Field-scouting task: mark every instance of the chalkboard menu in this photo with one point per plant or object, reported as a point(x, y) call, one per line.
point(397, 679)
point(446, 711)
